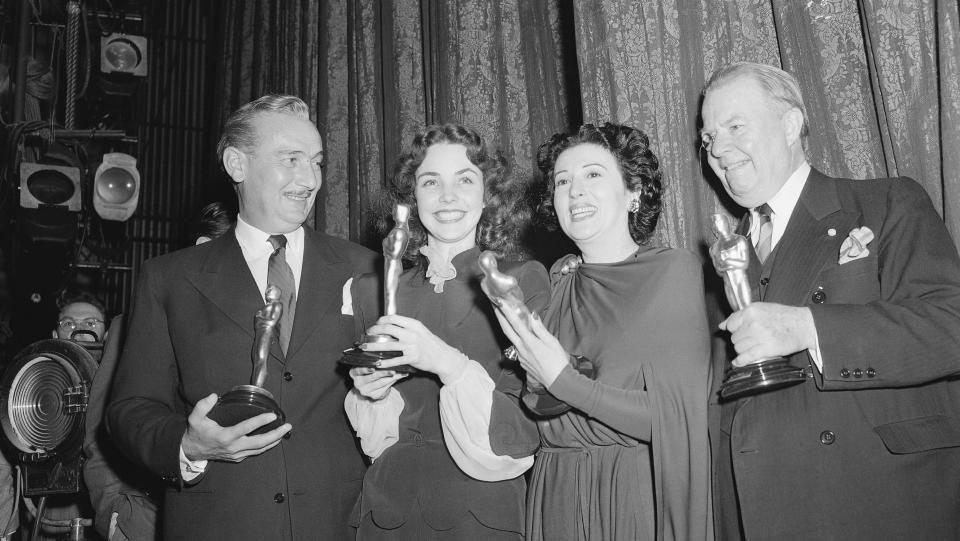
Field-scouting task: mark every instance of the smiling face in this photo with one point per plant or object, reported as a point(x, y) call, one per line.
point(592, 200)
point(449, 192)
point(278, 180)
point(752, 142)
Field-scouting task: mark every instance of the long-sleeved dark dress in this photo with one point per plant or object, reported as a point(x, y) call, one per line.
point(414, 486)
point(631, 460)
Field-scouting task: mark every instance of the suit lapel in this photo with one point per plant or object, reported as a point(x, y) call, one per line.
point(800, 255)
point(225, 280)
point(319, 298)
point(807, 243)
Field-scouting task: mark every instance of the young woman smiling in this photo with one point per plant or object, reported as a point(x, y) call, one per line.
point(424, 431)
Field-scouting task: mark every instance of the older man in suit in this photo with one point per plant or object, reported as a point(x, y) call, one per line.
point(190, 337)
point(858, 283)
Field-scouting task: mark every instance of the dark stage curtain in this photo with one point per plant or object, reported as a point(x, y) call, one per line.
point(881, 80)
point(376, 72)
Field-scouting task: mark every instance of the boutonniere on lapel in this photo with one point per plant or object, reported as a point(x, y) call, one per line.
point(855, 245)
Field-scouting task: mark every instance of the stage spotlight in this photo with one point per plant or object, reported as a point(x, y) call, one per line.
point(123, 53)
point(116, 187)
point(43, 185)
point(42, 409)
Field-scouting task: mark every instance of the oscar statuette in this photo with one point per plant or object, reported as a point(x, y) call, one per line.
point(504, 292)
point(246, 401)
point(731, 258)
point(394, 246)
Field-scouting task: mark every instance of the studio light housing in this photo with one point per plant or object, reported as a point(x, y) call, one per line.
point(43, 185)
point(123, 53)
point(42, 409)
point(116, 187)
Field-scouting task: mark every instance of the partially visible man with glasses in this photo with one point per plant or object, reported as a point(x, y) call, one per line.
point(82, 317)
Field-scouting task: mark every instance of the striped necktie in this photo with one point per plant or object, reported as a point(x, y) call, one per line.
point(279, 274)
point(765, 233)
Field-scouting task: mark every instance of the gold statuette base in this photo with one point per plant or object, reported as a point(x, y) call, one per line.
point(760, 377)
point(243, 402)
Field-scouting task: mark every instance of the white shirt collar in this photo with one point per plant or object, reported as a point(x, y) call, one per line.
point(782, 204)
point(254, 241)
point(257, 249)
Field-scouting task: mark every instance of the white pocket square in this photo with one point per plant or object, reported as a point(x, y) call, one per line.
point(346, 308)
point(855, 245)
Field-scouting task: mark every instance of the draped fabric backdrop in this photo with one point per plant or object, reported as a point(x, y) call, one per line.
point(376, 72)
point(881, 81)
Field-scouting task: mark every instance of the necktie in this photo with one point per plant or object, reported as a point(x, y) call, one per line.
point(765, 233)
point(280, 275)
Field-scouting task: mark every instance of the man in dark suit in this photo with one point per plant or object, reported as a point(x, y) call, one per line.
point(124, 497)
point(190, 336)
point(859, 285)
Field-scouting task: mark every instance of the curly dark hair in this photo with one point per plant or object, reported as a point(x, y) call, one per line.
point(506, 215)
point(638, 165)
point(214, 220)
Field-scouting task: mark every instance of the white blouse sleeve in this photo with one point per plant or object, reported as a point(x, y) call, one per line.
point(465, 406)
point(377, 423)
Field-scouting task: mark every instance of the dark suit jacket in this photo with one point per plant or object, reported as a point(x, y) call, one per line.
point(870, 448)
point(191, 334)
point(113, 483)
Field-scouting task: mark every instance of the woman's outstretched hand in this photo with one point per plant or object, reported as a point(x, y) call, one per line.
point(421, 348)
point(541, 354)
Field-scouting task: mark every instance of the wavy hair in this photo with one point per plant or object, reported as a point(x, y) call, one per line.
point(781, 87)
point(638, 166)
point(506, 215)
point(239, 130)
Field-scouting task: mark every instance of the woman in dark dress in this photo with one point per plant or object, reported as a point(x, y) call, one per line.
point(462, 202)
point(630, 459)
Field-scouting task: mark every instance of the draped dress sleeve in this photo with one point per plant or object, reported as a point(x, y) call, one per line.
point(647, 325)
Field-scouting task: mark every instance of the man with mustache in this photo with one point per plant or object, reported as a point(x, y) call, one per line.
point(190, 337)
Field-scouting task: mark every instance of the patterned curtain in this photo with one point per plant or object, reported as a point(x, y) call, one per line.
point(881, 80)
point(376, 72)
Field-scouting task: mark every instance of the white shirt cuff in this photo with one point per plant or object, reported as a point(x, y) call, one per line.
point(191, 469)
point(815, 354)
point(465, 409)
point(377, 423)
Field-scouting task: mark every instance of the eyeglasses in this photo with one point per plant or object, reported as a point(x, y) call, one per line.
point(70, 324)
